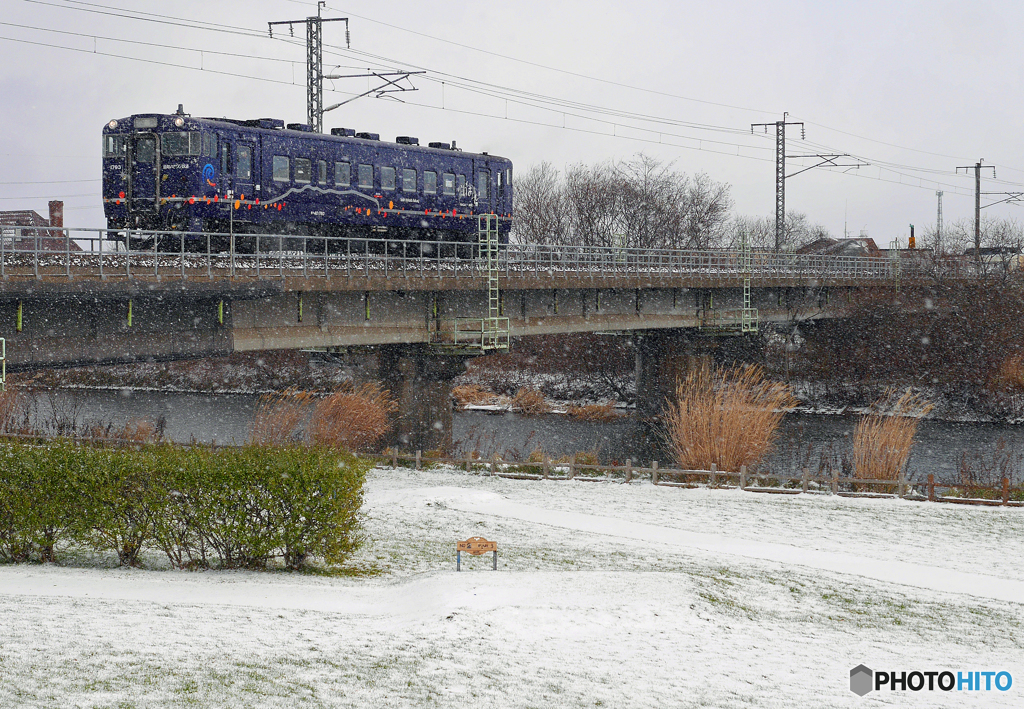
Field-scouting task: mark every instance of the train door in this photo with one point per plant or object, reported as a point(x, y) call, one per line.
point(246, 160)
point(483, 186)
point(144, 164)
point(225, 180)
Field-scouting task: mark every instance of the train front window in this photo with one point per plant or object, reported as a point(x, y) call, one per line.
point(460, 185)
point(321, 172)
point(180, 143)
point(225, 158)
point(449, 183)
point(113, 146)
point(366, 176)
point(209, 145)
point(303, 170)
point(243, 165)
point(387, 178)
point(281, 168)
point(145, 149)
point(429, 182)
point(342, 174)
point(408, 180)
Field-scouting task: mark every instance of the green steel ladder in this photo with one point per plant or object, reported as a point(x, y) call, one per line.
point(477, 335)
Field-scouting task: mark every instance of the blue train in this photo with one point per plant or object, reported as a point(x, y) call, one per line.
point(179, 173)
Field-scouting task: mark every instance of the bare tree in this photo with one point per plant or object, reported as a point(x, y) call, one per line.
point(640, 202)
point(593, 203)
point(707, 212)
point(540, 207)
point(760, 232)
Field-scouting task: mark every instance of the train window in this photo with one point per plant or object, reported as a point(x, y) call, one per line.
point(113, 146)
point(281, 169)
point(460, 185)
point(449, 183)
point(366, 176)
point(303, 170)
point(342, 174)
point(145, 149)
point(483, 185)
point(225, 158)
point(321, 172)
point(387, 178)
point(429, 182)
point(243, 165)
point(180, 143)
point(408, 180)
point(209, 145)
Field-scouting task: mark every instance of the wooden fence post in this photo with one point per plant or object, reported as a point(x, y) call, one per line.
point(806, 475)
point(468, 455)
point(572, 466)
point(494, 462)
point(629, 474)
point(931, 488)
point(654, 472)
point(629, 469)
point(394, 457)
point(714, 469)
point(743, 477)
point(418, 455)
point(835, 482)
point(901, 486)
point(1006, 490)
point(545, 470)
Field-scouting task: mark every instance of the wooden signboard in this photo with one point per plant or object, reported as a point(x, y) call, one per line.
point(475, 546)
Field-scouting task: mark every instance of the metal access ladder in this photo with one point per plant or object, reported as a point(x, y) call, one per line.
point(732, 321)
point(477, 335)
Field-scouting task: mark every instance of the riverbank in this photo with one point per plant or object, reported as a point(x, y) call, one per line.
point(589, 606)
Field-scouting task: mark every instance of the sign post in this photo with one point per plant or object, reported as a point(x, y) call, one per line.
point(475, 546)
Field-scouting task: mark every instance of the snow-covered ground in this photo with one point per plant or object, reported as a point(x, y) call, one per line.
point(606, 595)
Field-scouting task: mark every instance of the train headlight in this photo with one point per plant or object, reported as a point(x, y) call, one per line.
point(112, 125)
point(179, 121)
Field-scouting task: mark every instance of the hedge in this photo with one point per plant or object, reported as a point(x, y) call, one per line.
point(202, 507)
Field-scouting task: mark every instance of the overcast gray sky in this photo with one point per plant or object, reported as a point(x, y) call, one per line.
point(914, 88)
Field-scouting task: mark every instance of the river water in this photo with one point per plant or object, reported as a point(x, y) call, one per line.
point(803, 438)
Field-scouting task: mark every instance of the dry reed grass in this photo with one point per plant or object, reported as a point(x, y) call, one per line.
point(134, 431)
point(279, 417)
point(596, 413)
point(11, 402)
point(883, 438)
point(1010, 376)
point(728, 417)
point(530, 402)
point(353, 418)
point(471, 394)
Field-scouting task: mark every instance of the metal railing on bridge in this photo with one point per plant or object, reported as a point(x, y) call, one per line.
point(53, 253)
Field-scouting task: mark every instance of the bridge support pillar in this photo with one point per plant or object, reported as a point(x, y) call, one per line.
point(421, 383)
point(665, 356)
point(662, 357)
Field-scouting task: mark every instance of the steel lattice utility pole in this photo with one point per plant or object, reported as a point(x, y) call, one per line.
point(977, 204)
point(938, 226)
point(314, 62)
point(780, 169)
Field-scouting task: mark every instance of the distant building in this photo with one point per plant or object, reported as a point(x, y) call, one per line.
point(33, 232)
point(856, 246)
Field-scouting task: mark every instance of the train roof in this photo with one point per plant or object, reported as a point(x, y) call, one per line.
point(166, 121)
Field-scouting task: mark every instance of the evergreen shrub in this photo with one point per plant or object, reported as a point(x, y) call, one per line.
point(226, 508)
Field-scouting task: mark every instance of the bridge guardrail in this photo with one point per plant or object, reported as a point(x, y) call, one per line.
point(54, 253)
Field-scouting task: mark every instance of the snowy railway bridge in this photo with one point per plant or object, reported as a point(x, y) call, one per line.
point(74, 297)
